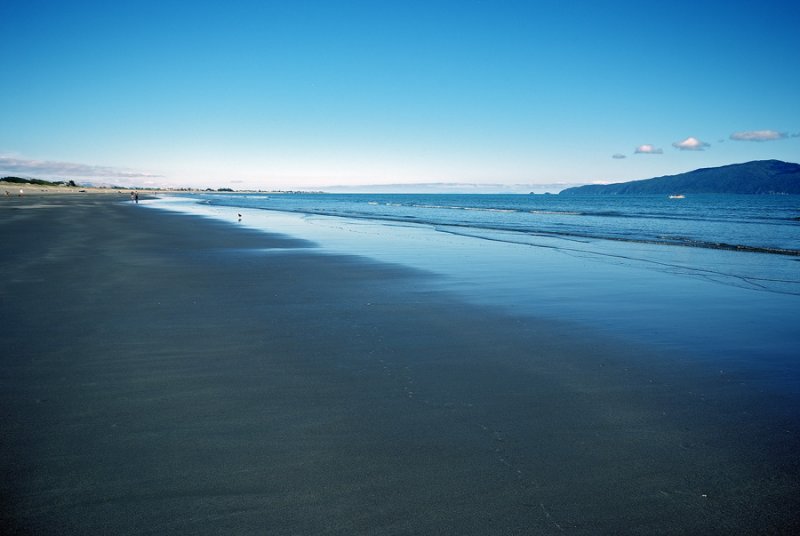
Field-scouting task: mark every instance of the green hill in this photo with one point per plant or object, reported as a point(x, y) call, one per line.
point(759, 177)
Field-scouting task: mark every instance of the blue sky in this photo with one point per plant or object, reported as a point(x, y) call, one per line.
point(304, 94)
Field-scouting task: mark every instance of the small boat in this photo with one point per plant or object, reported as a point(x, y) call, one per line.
point(677, 197)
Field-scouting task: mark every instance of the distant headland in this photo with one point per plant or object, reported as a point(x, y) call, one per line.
point(758, 177)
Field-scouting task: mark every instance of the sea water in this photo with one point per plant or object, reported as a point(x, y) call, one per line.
point(760, 223)
point(711, 278)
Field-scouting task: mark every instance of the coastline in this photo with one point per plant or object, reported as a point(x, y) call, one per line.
point(12, 189)
point(173, 373)
point(732, 311)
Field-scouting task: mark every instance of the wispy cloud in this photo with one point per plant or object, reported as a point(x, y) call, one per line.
point(759, 135)
point(618, 156)
point(690, 144)
point(648, 149)
point(48, 168)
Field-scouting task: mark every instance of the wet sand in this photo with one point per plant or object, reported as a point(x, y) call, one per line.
point(165, 373)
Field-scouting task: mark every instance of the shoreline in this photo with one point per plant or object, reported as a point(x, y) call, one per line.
point(12, 189)
point(174, 373)
point(730, 311)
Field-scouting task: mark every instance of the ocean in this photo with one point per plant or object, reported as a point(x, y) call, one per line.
point(768, 224)
point(709, 279)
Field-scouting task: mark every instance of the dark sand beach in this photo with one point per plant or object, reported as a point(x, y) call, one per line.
point(169, 374)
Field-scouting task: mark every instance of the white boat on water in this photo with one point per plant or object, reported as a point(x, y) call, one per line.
point(677, 197)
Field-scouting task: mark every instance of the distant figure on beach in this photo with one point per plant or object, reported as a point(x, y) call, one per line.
point(132, 196)
point(21, 192)
point(240, 217)
point(136, 198)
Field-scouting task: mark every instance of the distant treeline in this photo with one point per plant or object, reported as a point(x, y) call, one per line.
point(38, 182)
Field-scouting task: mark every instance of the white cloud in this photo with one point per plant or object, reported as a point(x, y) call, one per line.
point(618, 156)
point(759, 135)
point(690, 144)
point(648, 149)
point(47, 168)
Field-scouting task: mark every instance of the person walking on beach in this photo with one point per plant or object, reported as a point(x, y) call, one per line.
point(136, 197)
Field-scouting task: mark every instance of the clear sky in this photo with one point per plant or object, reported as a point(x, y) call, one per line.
point(303, 94)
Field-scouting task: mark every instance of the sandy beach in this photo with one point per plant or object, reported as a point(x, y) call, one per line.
point(14, 189)
point(170, 374)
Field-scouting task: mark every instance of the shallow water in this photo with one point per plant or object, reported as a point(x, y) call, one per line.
point(731, 311)
point(761, 223)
